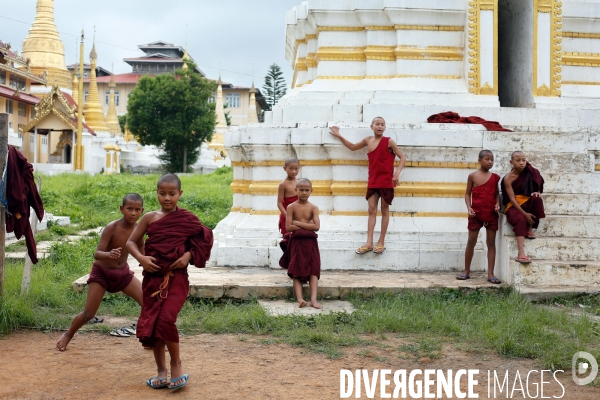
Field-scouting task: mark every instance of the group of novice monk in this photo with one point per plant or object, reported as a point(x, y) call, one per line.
point(176, 238)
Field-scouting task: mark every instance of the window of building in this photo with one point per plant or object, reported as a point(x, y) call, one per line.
point(233, 100)
point(212, 99)
point(107, 96)
point(3, 77)
point(33, 113)
point(16, 82)
point(20, 127)
point(10, 107)
point(31, 138)
point(117, 98)
point(22, 109)
point(85, 94)
point(44, 144)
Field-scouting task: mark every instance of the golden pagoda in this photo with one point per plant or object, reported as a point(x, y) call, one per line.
point(111, 116)
point(43, 46)
point(75, 86)
point(219, 109)
point(252, 116)
point(92, 109)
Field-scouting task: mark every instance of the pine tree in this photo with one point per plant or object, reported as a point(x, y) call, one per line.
point(274, 87)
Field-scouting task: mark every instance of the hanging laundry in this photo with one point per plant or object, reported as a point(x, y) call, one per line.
point(21, 194)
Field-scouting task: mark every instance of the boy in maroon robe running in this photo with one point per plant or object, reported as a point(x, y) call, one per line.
point(286, 194)
point(483, 203)
point(176, 238)
point(382, 152)
point(301, 255)
point(110, 272)
point(521, 193)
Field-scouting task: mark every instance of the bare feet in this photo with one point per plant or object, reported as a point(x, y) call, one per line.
point(302, 304)
point(64, 340)
point(316, 305)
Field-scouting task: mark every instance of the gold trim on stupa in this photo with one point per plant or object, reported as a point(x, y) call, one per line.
point(92, 109)
point(252, 116)
point(111, 116)
point(44, 48)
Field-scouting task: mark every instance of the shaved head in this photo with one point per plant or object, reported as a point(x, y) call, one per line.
point(132, 197)
point(304, 181)
point(483, 153)
point(169, 178)
point(292, 160)
point(514, 153)
point(376, 118)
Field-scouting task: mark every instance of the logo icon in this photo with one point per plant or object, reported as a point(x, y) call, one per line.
point(581, 367)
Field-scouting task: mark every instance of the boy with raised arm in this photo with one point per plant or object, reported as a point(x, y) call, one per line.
point(176, 238)
point(382, 152)
point(286, 193)
point(483, 203)
point(521, 193)
point(110, 272)
point(301, 255)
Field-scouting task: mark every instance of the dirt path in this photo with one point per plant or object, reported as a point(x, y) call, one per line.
point(221, 367)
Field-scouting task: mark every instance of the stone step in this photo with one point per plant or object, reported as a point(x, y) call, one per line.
point(265, 283)
point(559, 249)
point(569, 226)
point(551, 272)
point(396, 258)
point(572, 204)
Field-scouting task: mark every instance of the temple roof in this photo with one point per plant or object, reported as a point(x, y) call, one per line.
point(17, 95)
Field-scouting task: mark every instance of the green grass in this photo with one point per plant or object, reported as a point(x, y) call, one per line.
point(501, 321)
point(93, 201)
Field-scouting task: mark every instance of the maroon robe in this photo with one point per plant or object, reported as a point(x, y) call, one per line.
point(450, 117)
point(21, 193)
point(286, 202)
point(301, 255)
point(529, 181)
point(483, 202)
point(165, 291)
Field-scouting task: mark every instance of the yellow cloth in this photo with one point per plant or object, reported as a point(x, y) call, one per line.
point(520, 198)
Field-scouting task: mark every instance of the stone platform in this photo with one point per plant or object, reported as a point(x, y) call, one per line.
point(266, 283)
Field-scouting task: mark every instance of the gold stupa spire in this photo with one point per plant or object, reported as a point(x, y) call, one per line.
point(44, 47)
point(111, 117)
point(219, 109)
point(92, 109)
point(75, 86)
point(252, 116)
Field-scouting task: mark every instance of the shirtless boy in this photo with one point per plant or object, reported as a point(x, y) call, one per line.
point(382, 152)
point(483, 203)
point(110, 271)
point(521, 193)
point(176, 238)
point(286, 194)
point(301, 257)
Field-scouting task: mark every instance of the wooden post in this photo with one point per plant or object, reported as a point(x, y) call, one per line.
point(3, 154)
point(33, 220)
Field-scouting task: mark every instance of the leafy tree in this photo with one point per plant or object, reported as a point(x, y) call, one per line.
point(227, 115)
point(172, 111)
point(122, 122)
point(274, 87)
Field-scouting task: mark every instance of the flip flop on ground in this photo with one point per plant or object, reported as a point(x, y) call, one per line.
point(119, 333)
point(530, 236)
point(523, 260)
point(495, 281)
point(130, 330)
point(363, 250)
point(157, 383)
point(463, 277)
point(379, 249)
point(96, 320)
point(182, 384)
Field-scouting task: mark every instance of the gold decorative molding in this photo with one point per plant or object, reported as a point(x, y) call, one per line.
point(473, 38)
point(351, 77)
point(429, 28)
point(442, 53)
point(486, 89)
point(340, 53)
point(555, 8)
point(384, 53)
point(597, 168)
point(340, 28)
point(580, 83)
point(311, 36)
point(581, 35)
point(581, 59)
point(380, 28)
point(321, 163)
point(354, 188)
point(397, 214)
point(428, 77)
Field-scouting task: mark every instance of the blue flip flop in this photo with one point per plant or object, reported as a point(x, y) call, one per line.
point(185, 378)
point(163, 382)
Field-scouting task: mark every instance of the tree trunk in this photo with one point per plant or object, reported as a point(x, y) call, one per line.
point(184, 159)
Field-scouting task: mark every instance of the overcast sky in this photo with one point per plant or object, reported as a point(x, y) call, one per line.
point(234, 33)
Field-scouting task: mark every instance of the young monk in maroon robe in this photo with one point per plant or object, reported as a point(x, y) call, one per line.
point(483, 203)
point(521, 192)
point(110, 272)
point(286, 194)
point(301, 255)
point(176, 238)
point(382, 179)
